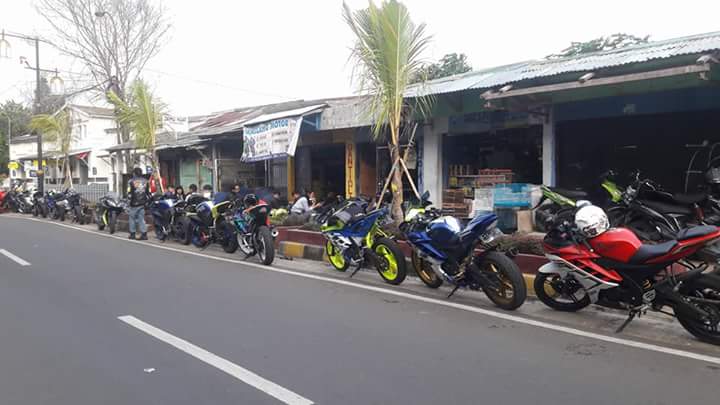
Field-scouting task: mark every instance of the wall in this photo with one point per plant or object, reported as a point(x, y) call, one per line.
point(432, 180)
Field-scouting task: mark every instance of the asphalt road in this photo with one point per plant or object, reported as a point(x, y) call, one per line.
point(277, 335)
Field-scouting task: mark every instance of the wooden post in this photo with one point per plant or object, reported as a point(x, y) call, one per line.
point(290, 175)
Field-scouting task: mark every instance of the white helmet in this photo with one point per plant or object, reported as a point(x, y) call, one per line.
point(591, 221)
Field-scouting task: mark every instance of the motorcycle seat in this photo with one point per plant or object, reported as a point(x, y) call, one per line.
point(696, 232)
point(665, 208)
point(574, 194)
point(689, 199)
point(650, 251)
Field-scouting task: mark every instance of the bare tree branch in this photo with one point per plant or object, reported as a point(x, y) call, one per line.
point(115, 46)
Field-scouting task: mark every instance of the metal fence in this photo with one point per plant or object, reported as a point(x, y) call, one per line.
point(90, 192)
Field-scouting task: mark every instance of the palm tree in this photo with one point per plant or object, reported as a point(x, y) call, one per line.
point(57, 128)
point(387, 51)
point(143, 115)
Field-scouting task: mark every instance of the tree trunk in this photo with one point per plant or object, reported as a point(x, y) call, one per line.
point(68, 173)
point(396, 185)
point(156, 171)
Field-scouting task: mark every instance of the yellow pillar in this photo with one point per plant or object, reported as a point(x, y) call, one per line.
point(350, 169)
point(290, 175)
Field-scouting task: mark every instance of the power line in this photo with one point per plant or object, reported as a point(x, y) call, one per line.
point(216, 84)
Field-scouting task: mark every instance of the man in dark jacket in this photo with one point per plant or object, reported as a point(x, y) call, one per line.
point(139, 195)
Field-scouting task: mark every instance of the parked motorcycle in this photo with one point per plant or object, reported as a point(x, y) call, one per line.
point(593, 263)
point(107, 211)
point(78, 210)
point(18, 200)
point(210, 223)
point(39, 207)
point(254, 232)
point(443, 251)
point(58, 205)
point(162, 209)
point(354, 236)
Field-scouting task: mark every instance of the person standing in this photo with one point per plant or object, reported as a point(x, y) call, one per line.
point(138, 193)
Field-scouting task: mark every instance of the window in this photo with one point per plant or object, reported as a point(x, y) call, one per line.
point(94, 171)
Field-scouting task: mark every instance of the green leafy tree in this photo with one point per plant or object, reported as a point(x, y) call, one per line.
point(143, 115)
point(608, 43)
point(14, 120)
point(387, 51)
point(448, 65)
point(57, 128)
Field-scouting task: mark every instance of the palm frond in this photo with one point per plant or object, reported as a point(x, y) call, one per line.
point(388, 54)
point(54, 128)
point(142, 114)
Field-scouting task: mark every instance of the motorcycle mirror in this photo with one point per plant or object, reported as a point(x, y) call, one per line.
point(425, 196)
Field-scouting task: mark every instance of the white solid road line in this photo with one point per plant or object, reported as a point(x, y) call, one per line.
point(495, 314)
point(218, 362)
point(14, 258)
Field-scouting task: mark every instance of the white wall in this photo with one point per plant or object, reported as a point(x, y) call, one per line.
point(432, 164)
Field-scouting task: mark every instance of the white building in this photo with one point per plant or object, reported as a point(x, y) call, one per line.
point(94, 131)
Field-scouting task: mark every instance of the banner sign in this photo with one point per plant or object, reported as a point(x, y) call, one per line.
point(271, 139)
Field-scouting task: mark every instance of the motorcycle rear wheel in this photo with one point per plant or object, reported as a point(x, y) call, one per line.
point(706, 286)
point(265, 246)
point(551, 297)
point(512, 291)
point(35, 211)
point(392, 269)
point(336, 257)
point(424, 270)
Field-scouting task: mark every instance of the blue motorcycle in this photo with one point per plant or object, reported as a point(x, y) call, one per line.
point(162, 211)
point(355, 235)
point(443, 251)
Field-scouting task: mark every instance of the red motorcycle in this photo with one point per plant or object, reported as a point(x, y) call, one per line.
point(593, 263)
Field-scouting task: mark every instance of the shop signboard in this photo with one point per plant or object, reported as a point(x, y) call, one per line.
point(13, 165)
point(271, 139)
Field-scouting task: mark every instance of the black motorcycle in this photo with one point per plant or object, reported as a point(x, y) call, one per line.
point(254, 232)
point(77, 208)
point(168, 217)
point(211, 222)
point(107, 211)
point(19, 201)
point(39, 207)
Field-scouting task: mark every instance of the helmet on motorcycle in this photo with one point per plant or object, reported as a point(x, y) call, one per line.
point(591, 221)
point(250, 200)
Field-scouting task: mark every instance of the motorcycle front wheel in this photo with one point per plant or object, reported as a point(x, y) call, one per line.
point(112, 222)
point(559, 294)
point(509, 291)
point(392, 261)
point(336, 257)
point(265, 246)
point(424, 270)
point(35, 211)
point(100, 220)
point(705, 287)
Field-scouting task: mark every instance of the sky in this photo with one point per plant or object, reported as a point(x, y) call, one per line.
point(223, 54)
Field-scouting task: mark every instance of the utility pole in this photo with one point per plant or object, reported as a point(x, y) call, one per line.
point(40, 170)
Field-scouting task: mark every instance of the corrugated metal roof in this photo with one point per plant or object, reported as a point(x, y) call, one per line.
point(498, 76)
point(285, 114)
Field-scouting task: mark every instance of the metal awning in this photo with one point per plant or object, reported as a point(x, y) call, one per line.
point(55, 154)
point(285, 114)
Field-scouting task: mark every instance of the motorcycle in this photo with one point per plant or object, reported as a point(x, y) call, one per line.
point(614, 268)
point(58, 205)
point(107, 211)
point(79, 211)
point(39, 207)
point(162, 209)
point(254, 232)
point(19, 201)
point(443, 251)
point(354, 236)
point(208, 223)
